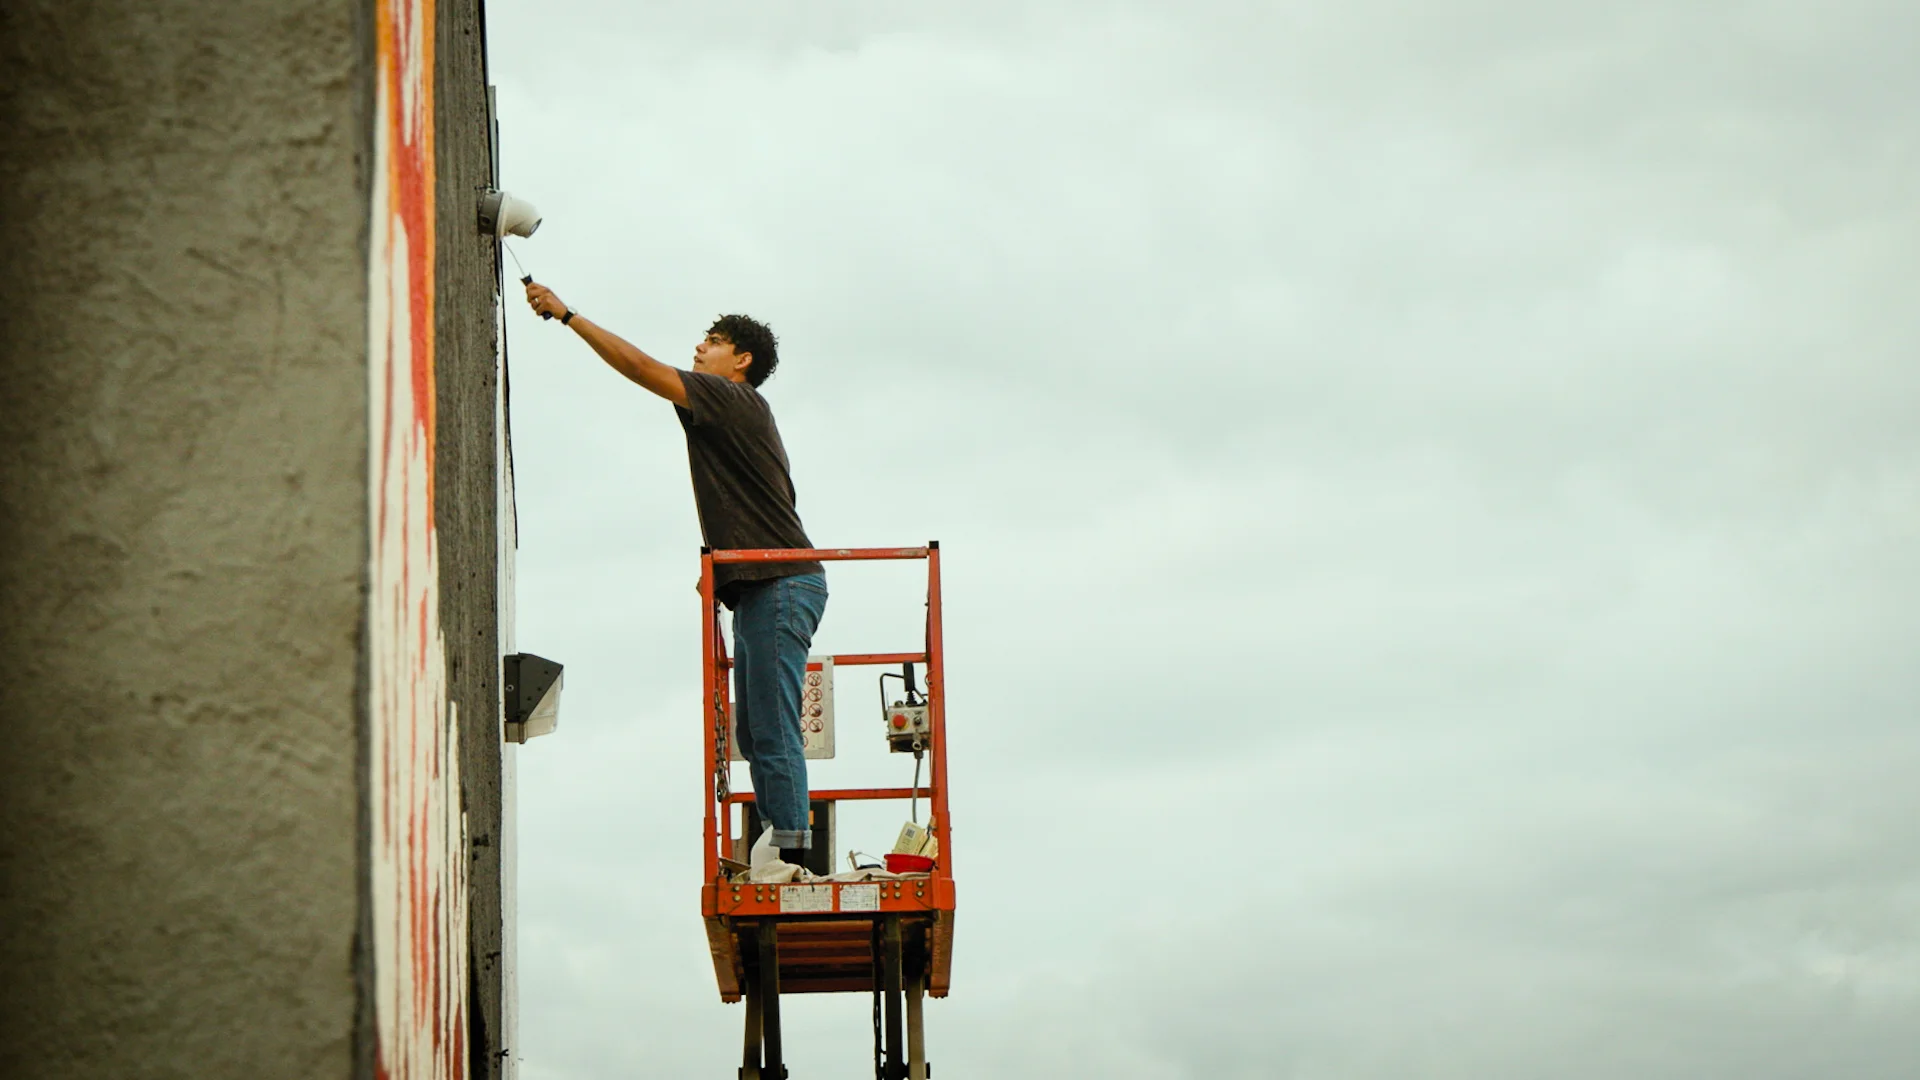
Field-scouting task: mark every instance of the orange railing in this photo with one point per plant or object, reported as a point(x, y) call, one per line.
point(718, 704)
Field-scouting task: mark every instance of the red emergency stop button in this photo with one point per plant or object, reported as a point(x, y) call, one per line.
point(899, 720)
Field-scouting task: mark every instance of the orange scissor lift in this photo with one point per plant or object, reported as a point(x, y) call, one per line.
point(892, 938)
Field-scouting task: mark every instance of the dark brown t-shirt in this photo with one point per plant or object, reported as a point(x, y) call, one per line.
point(742, 487)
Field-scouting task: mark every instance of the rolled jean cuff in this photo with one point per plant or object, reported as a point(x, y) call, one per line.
point(793, 838)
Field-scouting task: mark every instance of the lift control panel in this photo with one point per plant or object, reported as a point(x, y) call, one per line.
point(907, 728)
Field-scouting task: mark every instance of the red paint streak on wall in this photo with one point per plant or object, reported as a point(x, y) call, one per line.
point(414, 185)
point(419, 840)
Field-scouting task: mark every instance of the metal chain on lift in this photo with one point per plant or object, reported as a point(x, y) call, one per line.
point(722, 775)
point(722, 778)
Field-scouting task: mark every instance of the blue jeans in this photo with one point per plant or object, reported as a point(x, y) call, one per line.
point(773, 625)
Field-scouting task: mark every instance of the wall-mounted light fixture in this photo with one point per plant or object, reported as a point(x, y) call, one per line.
point(503, 215)
point(533, 696)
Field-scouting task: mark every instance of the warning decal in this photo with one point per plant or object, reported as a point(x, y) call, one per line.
point(804, 898)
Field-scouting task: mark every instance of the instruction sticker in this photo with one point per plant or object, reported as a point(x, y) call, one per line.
point(804, 898)
point(859, 898)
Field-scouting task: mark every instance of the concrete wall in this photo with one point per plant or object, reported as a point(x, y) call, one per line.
point(184, 535)
point(466, 511)
point(184, 513)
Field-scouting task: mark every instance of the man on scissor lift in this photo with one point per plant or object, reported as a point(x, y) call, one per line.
point(743, 491)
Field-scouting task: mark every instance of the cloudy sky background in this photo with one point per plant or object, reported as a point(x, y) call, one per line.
point(1430, 495)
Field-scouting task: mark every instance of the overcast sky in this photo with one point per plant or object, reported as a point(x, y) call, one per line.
point(1430, 494)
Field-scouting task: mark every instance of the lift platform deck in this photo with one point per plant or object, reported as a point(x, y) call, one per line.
point(891, 938)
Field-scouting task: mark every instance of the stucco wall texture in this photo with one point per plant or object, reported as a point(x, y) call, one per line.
point(466, 388)
point(184, 532)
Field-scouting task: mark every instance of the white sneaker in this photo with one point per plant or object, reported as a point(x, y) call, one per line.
point(763, 852)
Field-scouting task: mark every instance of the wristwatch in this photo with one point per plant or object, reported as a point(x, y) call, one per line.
point(567, 318)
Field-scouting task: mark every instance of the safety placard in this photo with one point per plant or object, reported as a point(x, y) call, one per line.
point(816, 711)
point(805, 898)
point(859, 898)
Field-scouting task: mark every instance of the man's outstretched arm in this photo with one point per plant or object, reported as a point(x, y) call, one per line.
point(620, 354)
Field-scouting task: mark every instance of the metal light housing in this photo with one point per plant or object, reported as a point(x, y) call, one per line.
point(502, 215)
point(533, 685)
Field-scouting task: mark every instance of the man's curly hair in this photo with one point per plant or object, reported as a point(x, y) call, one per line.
point(754, 338)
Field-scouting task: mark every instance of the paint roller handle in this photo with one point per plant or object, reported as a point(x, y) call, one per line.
point(527, 279)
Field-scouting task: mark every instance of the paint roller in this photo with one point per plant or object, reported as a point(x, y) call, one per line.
point(503, 215)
